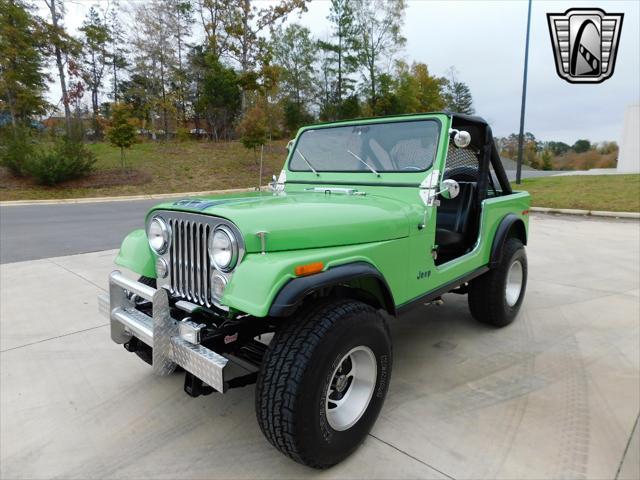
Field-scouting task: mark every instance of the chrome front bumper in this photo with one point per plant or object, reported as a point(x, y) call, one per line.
point(159, 332)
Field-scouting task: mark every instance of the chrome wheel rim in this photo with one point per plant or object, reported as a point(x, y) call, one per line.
point(351, 388)
point(514, 283)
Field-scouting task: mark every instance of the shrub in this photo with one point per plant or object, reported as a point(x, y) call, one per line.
point(17, 147)
point(253, 128)
point(183, 135)
point(68, 159)
point(122, 132)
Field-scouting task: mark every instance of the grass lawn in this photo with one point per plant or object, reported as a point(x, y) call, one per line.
point(158, 167)
point(617, 193)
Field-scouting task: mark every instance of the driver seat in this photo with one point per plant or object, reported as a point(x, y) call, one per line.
point(454, 218)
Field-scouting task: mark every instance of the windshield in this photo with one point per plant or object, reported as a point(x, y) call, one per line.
point(382, 147)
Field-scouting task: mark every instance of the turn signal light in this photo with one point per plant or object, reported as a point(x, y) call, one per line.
point(309, 269)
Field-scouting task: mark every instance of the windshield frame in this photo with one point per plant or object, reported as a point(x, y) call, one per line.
point(354, 123)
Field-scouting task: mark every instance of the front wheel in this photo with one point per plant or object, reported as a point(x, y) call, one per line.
point(323, 381)
point(495, 297)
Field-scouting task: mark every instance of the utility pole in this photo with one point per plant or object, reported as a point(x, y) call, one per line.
point(524, 99)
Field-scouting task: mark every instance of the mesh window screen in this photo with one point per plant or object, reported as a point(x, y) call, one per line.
point(463, 159)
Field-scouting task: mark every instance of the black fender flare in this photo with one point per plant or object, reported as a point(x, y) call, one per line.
point(290, 297)
point(510, 226)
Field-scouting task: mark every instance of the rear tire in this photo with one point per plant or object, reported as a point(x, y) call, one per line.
point(335, 354)
point(495, 297)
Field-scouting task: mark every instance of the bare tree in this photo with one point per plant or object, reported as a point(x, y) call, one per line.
point(379, 23)
point(245, 26)
point(60, 43)
point(117, 51)
point(95, 58)
point(155, 56)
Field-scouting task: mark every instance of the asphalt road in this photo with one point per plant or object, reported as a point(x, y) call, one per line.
point(31, 232)
point(42, 231)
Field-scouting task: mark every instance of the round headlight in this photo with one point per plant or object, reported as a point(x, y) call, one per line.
point(162, 269)
point(223, 249)
point(218, 284)
point(158, 235)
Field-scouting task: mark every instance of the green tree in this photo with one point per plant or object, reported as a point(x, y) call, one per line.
point(181, 17)
point(214, 16)
point(253, 128)
point(379, 25)
point(295, 116)
point(156, 58)
point(293, 51)
point(122, 132)
point(117, 50)
point(387, 101)
point(581, 146)
point(244, 25)
point(63, 47)
point(457, 94)
point(138, 93)
point(545, 159)
point(558, 148)
point(215, 92)
point(342, 47)
point(417, 90)
point(95, 57)
point(22, 78)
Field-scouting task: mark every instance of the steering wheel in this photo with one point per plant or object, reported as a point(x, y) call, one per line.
point(412, 168)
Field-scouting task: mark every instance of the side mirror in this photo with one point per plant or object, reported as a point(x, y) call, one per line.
point(289, 145)
point(449, 189)
point(462, 138)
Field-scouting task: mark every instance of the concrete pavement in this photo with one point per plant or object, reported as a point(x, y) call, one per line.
point(555, 395)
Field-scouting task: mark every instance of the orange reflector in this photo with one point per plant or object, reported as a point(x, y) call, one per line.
point(525, 212)
point(309, 269)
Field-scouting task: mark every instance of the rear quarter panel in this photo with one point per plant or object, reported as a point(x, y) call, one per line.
point(424, 276)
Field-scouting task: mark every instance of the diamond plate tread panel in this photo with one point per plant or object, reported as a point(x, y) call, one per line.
point(141, 325)
point(164, 327)
point(201, 362)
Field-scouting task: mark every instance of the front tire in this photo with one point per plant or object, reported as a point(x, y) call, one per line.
point(495, 297)
point(323, 381)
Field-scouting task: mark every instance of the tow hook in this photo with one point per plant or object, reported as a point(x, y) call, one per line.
point(194, 387)
point(132, 345)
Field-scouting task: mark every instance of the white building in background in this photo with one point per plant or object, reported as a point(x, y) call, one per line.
point(629, 156)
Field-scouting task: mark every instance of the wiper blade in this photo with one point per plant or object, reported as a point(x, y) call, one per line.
point(307, 161)
point(365, 163)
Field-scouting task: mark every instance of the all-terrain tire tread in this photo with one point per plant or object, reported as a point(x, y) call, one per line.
point(284, 366)
point(486, 295)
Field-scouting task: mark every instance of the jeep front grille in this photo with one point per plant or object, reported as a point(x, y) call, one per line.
point(190, 269)
point(189, 265)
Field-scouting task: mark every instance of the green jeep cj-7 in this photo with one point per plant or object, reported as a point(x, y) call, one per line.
point(292, 289)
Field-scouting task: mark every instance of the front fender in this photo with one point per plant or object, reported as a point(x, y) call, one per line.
point(259, 278)
point(136, 255)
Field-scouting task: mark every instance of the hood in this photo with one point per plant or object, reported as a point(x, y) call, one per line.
point(305, 219)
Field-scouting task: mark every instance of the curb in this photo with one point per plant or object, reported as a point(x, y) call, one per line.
point(591, 213)
point(160, 196)
point(155, 196)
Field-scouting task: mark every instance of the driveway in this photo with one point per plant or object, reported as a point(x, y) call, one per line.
point(554, 395)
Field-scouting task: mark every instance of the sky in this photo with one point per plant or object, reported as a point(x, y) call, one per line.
point(485, 42)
